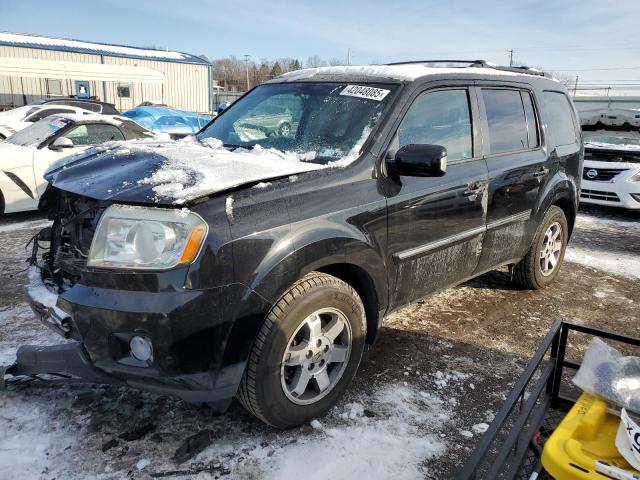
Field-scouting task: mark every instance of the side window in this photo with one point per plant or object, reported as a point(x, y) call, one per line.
point(506, 119)
point(123, 90)
point(45, 112)
point(532, 121)
point(560, 118)
point(93, 134)
point(54, 86)
point(439, 118)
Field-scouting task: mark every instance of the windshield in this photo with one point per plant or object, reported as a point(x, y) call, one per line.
point(17, 114)
point(619, 138)
point(35, 134)
point(322, 122)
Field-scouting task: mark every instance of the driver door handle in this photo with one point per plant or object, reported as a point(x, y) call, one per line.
point(474, 188)
point(543, 172)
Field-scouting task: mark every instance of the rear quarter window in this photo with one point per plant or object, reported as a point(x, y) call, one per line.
point(560, 118)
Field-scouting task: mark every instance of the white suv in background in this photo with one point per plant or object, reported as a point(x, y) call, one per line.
point(13, 121)
point(611, 174)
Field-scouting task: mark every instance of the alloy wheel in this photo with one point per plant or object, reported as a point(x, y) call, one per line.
point(316, 356)
point(551, 249)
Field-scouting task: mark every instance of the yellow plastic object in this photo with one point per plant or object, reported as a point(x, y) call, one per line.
point(586, 434)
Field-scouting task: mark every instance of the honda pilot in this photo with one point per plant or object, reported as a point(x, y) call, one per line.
point(239, 263)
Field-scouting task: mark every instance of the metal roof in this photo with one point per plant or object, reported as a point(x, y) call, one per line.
point(96, 48)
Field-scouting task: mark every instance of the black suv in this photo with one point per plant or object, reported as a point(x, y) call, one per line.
point(256, 265)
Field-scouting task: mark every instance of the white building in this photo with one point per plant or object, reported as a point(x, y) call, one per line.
point(33, 67)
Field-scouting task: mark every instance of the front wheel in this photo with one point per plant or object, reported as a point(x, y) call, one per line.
point(306, 352)
point(541, 264)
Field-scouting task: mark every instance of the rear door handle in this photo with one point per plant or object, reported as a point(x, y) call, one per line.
point(543, 172)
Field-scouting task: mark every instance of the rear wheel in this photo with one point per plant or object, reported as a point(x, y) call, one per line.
point(542, 263)
point(306, 353)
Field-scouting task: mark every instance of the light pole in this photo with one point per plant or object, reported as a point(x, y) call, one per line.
point(246, 63)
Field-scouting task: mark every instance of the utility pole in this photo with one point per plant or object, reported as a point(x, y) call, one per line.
point(348, 56)
point(575, 87)
point(246, 63)
point(510, 51)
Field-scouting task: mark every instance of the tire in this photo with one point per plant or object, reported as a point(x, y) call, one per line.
point(284, 129)
point(530, 272)
point(267, 387)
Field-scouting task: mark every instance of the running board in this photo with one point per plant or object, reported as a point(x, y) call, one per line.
point(66, 363)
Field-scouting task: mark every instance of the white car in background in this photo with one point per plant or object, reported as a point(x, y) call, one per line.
point(625, 118)
point(13, 121)
point(26, 155)
point(611, 173)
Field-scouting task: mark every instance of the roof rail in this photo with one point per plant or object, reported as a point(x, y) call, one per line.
point(470, 62)
point(477, 63)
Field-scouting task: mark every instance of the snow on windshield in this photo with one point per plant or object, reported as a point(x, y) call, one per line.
point(193, 169)
point(35, 134)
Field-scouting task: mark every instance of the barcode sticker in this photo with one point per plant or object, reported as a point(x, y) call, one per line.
point(360, 91)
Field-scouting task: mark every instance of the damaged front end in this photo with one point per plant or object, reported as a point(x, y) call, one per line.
point(58, 255)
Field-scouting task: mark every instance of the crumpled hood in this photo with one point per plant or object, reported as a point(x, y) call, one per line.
point(168, 173)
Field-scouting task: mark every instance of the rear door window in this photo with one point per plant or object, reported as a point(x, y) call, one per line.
point(506, 120)
point(439, 118)
point(560, 118)
point(94, 134)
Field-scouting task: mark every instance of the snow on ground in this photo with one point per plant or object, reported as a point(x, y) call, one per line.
point(620, 264)
point(28, 225)
point(604, 255)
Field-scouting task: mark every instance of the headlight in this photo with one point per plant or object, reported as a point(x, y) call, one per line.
point(146, 238)
point(636, 177)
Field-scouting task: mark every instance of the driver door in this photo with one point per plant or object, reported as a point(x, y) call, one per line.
point(436, 224)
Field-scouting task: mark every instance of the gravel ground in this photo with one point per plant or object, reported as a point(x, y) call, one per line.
point(419, 404)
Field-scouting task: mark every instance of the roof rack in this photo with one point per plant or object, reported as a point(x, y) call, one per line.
point(477, 63)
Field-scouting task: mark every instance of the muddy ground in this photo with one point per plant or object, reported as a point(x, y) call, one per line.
point(419, 404)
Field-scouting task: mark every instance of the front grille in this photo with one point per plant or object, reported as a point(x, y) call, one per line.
point(599, 195)
point(601, 174)
point(612, 156)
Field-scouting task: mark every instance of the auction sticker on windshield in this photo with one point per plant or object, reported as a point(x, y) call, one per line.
point(370, 93)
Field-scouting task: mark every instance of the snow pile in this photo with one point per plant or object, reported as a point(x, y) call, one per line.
point(603, 258)
point(390, 444)
point(192, 170)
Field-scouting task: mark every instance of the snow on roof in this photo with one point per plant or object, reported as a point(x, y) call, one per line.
point(397, 72)
point(50, 43)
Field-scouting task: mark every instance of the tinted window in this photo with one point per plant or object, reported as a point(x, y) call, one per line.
point(439, 118)
point(507, 123)
point(45, 112)
point(124, 90)
point(532, 121)
point(560, 118)
point(94, 134)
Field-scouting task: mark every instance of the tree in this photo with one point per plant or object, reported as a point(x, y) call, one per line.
point(315, 61)
point(276, 70)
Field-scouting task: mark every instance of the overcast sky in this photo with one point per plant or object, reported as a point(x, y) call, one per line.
point(597, 40)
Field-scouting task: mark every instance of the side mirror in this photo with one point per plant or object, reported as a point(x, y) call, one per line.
point(60, 143)
point(420, 161)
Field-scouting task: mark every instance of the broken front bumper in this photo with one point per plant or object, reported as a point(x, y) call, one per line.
point(193, 356)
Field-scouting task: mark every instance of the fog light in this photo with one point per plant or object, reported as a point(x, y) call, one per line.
point(636, 196)
point(141, 348)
